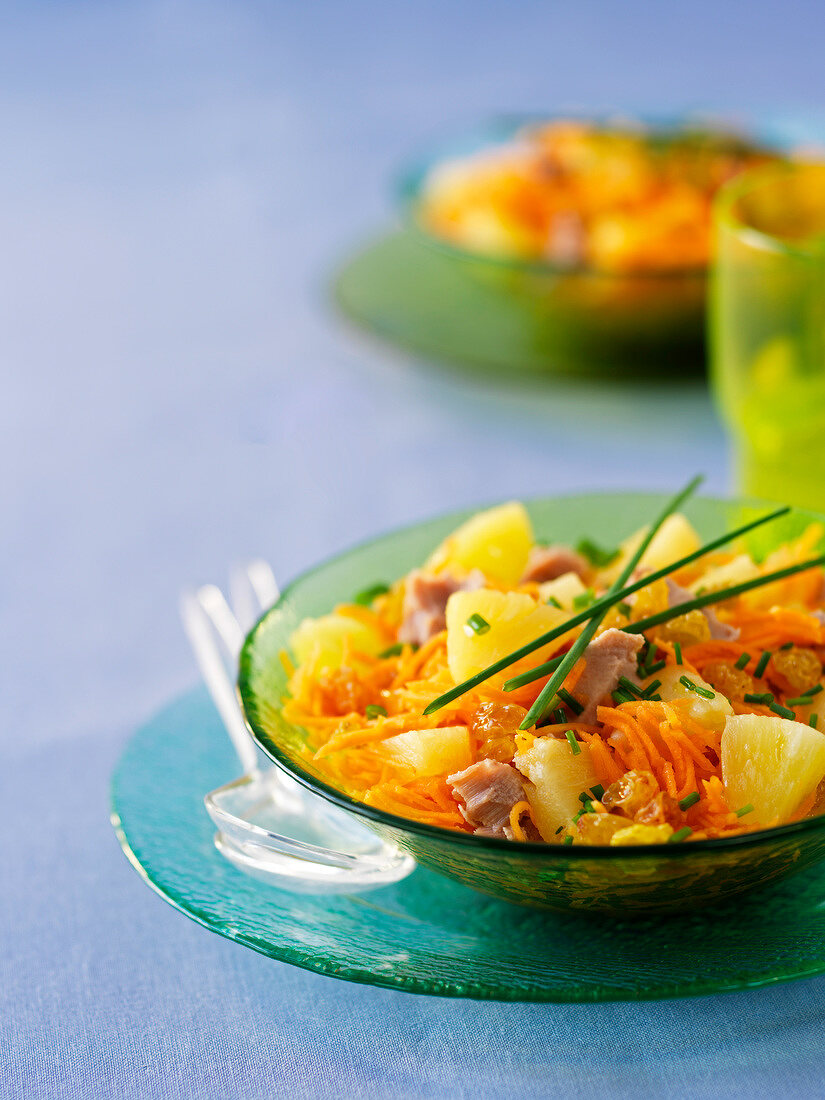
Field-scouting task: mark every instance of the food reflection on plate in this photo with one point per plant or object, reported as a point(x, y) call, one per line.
point(658, 691)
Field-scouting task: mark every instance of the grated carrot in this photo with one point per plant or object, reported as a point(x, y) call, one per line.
point(659, 737)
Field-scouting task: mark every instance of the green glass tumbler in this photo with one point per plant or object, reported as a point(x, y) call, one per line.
point(767, 329)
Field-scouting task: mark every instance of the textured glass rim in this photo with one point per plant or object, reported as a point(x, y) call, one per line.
point(492, 844)
point(750, 180)
point(409, 180)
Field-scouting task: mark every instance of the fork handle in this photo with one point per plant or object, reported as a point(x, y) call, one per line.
point(216, 638)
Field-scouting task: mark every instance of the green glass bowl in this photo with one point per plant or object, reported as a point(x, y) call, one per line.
point(583, 320)
point(647, 878)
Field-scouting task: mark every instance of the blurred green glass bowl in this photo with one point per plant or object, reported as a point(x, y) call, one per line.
point(583, 320)
point(644, 879)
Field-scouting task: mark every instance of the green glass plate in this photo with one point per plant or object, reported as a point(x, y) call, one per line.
point(473, 313)
point(428, 933)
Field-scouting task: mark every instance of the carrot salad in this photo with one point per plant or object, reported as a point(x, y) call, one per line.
point(574, 193)
point(705, 723)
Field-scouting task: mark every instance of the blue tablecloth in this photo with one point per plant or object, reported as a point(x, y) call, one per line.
point(177, 180)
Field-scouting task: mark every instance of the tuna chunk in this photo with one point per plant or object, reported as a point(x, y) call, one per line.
point(425, 603)
point(607, 658)
point(545, 563)
point(719, 631)
point(487, 791)
point(566, 238)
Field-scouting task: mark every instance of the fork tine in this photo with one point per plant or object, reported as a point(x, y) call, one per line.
point(253, 590)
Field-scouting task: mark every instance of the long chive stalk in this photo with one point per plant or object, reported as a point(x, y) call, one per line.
point(722, 594)
point(674, 612)
point(535, 713)
point(604, 603)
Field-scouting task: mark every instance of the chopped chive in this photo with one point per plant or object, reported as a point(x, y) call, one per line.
point(650, 689)
point(574, 704)
point(624, 608)
point(588, 807)
point(783, 712)
point(394, 650)
point(680, 834)
point(745, 810)
point(567, 840)
point(763, 664)
point(655, 668)
point(533, 674)
point(742, 660)
point(812, 721)
point(764, 698)
point(476, 624)
point(554, 602)
point(689, 800)
point(367, 595)
point(686, 681)
point(559, 716)
point(559, 830)
point(799, 701)
point(630, 687)
point(815, 690)
point(677, 652)
point(597, 790)
point(373, 710)
point(654, 698)
point(787, 645)
point(607, 601)
point(620, 697)
point(584, 599)
point(575, 747)
point(595, 554)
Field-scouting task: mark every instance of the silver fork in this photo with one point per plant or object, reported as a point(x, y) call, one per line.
point(268, 824)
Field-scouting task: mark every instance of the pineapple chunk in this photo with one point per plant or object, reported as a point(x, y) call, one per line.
point(496, 541)
point(319, 643)
point(739, 569)
point(514, 618)
point(771, 764)
point(564, 589)
point(675, 539)
point(463, 201)
point(441, 751)
point(712, 713)
point(556, 779)
point(641, 834)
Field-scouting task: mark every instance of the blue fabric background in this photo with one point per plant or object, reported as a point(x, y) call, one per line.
point(177, 180)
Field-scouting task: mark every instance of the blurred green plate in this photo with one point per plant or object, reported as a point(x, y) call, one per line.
point(429, 934)
point(474, 313)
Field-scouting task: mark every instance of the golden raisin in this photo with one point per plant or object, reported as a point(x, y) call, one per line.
point(630, 793)
point(728, 679)
point(344, 692)
point(794, 670)
point(687, 629)
point(661, 810)
point(650, 600)
point(494, 727)
point(599, 828)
